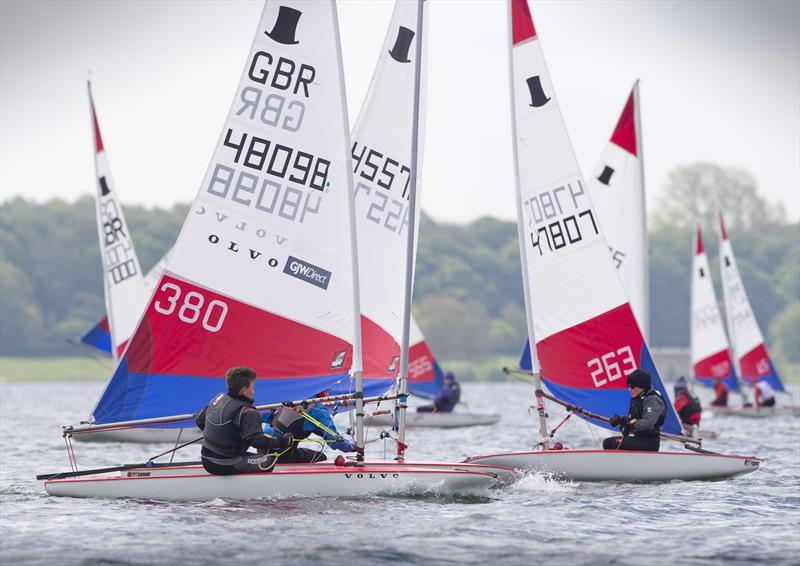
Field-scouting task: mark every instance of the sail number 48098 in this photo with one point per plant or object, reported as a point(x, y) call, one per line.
point(191, 307)
point(611, 366)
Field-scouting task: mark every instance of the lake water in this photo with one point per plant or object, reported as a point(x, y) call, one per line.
point(752, 519)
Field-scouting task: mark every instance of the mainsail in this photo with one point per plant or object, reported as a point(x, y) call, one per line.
point(748, 342)
point(587, 339)
point(710, 351)
point(381, 151)
point(262, 273)
point(617, 193)
point(99, 335)
point(125, 291)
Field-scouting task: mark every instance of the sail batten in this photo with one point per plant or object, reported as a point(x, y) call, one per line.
point(586, 336)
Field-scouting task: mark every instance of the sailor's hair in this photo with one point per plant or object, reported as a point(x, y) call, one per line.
point(239, 377)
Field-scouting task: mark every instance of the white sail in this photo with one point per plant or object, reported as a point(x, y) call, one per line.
point(617, 192)
point(262, 272)
point(381, 151)
point(746, 337)
point(709, 344)
point(126, 292)
point(586, 336)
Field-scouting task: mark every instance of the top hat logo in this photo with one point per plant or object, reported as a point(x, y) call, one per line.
point(605, 176)
point(538, 97)
point(104, 190)
point(727, 261)
point(702, 272)
point(401, 45)
point(285, 26)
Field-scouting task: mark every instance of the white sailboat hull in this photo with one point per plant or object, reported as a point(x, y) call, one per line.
point(435, 420)
point(302, 480)
point(141, 435)
point(753, 412)
point(624, 465)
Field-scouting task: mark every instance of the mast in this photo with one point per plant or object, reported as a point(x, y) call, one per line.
point(537, 381)
point(357, 366)
point(106, 284)
point(412, 226)
point(645, 238)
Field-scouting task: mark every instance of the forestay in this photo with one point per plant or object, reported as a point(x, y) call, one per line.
point(586, 336)
point(125, 291)
point(617, 193)
point(262, 272)
point(710, 352)
point(748, 342)
point(99, 335)
point(381, 151)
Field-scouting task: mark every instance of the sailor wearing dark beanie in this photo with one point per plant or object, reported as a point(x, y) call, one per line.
point(646, 414)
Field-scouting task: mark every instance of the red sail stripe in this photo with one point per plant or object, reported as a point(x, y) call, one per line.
point(521, 22)
point(624, 135)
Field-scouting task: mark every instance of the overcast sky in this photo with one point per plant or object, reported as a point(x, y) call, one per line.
point(720, 83)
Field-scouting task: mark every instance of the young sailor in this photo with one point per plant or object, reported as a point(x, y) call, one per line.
point(448, 397)
point(688, 407)
point(721, 392)
point(230, 425)
point(646, 414)
point(765, 395)
point(302, 423)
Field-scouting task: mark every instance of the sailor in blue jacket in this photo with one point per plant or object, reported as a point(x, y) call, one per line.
point(317, 420)
point(447, 399)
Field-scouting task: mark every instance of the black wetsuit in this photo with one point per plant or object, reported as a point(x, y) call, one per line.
point(285, 420)
point(649, 411)
point(230, 426)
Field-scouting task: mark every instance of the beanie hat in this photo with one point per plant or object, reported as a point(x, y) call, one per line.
point(639, 378)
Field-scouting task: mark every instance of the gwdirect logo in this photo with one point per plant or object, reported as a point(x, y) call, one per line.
point(307, 272)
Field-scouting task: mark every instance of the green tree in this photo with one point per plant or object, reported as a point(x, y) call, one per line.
point(785, 334)
point(697, 192)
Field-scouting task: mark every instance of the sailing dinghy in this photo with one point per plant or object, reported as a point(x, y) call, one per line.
point(264, 274)
point(586, 337)
point(748, 342)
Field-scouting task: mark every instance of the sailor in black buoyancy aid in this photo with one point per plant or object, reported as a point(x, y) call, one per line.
point(302, 422)
point(646, 414)
point(231, 425)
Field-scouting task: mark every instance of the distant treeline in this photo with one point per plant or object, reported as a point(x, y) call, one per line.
point(468, 296)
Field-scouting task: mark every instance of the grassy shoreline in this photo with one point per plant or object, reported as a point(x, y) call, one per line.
point(65, 368)
point(79, 368)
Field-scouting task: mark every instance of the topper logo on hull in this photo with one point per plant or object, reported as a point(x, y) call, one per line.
point(401, 45)
point(538, 97)
point(285, 26)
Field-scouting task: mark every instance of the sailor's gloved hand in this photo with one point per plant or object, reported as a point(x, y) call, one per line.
point(618, 420)
point(285, 441)
point(343, 446)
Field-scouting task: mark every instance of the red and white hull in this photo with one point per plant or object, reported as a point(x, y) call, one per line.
point(141, 435)
point(192, 483)
point(435, 420)
point(624, 465)
point(754, 412)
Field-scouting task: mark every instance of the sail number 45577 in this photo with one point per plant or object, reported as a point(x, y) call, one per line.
point(191, 307)
point(611, 366)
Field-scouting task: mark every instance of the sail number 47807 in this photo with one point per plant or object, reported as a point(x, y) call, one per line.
point(611, 366)
point(192, 306)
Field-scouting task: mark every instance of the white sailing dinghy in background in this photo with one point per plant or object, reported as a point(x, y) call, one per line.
point(579, 319)
point(264, 274)
point(382, 144)
point(127, 290)
point(126, 293)
point(748, 342)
